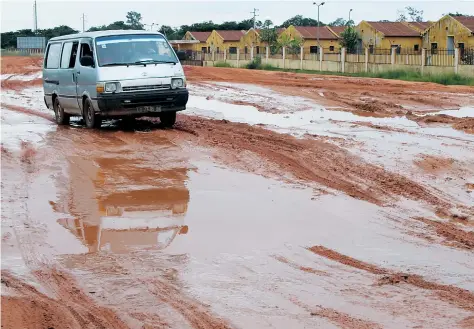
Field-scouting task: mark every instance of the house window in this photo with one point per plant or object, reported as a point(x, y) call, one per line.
point(313, 49)
point(246, 49)
point(397, 49)
point(434, 48)
point(258, 50)
point(232, 50)
point(331, 48)
point(461, 48)
point(203, 49)
point(371, 49)
point(416, 47)
point(208, 49)
point(217, 50)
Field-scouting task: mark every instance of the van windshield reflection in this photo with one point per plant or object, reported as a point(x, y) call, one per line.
point(134, 50)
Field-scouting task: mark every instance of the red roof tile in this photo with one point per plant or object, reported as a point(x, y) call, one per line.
point(338, 29)
point(201, 36)
point(420, 25)
point(395, 29)
point(467, 21)
point(231, 35)
point(311, 32)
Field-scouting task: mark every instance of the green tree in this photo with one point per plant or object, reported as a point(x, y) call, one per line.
point(299, 20)
point(350, 39)
point(169, 32)
point(134, 20)
point(341, 22)
point(458, 14)
point(414, 15)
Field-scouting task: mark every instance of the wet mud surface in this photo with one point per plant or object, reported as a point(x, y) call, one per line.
point(266, 206)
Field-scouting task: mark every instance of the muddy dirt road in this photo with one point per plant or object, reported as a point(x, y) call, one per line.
point(269, 205)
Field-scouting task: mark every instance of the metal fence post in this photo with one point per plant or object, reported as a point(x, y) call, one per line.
point(392, 56)
point(423, 59)
point(284, 51)
point(301, 58)
point(267, 53)
point(251, 53)
point(343, 59)
point(456, 60)
point(366, 59)
point(225, 55)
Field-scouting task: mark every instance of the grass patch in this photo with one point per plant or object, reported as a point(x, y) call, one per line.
point(406, 75)
point(222, 64)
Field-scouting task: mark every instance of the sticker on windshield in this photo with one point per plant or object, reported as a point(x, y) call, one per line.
point(104, 46)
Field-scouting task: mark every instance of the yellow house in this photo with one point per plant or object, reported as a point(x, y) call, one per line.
point(328, 40)
point(387, 35)
point(228, 40)
point(201, 37)
point(449, 33)
point(250, 39)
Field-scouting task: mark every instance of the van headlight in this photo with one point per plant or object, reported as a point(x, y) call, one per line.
point(111, 87)
point(177, 83)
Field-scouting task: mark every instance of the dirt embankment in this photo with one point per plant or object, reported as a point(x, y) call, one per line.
point(307, 160)
point(459, 297)
point(26, 307)
point(464, 124)
point(363, 96)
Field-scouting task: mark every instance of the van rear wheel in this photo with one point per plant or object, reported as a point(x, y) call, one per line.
point(92, 119)
point(168, 119)
point(61, 117)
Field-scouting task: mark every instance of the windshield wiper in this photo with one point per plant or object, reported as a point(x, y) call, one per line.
point(152, 61)
point(116, 64)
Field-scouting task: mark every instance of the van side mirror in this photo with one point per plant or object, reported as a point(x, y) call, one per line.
point(87, 61)
point(181, 55)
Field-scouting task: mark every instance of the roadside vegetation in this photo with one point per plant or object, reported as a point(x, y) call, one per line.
point(406, 75)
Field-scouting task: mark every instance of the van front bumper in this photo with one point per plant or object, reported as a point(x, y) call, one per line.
point(132, 103)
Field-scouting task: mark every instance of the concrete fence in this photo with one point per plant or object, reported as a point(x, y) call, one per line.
point(424, 61)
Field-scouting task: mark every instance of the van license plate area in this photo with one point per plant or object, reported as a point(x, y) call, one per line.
point(146, 109)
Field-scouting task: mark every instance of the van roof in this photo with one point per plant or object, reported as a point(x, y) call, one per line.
point(101, 34)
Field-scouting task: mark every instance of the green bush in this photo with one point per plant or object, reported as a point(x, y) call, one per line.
point(222, 64)
point(255, 64)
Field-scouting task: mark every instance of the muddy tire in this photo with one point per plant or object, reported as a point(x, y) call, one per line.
point(61, 117)
point(92, 119)
point(168, 119)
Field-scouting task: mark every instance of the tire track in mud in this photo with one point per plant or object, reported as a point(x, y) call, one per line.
point(29, 308)
point(307, 160)
point(458, 297)
point(197, 315)
point(453, 236)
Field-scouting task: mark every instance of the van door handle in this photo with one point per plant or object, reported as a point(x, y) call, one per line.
point(54, 82)
point(78, 72)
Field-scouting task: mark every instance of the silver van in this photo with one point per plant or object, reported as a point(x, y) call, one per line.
point(113, 74)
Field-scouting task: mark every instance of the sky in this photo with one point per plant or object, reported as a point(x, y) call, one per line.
point(18, 14)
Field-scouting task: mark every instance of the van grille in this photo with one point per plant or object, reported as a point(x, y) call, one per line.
point(147, 87)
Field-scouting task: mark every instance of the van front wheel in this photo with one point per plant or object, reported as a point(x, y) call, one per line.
point(92, 119)
point(168, 119)
point(61, 117)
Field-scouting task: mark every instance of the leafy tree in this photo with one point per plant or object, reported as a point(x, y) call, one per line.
point(414, 14)
point(293, 45)
point(299, 20)
point(268, 33)
point(134, 20)
point(341, 22)
point(458, 14)
point(350, 39)
point(169, 32)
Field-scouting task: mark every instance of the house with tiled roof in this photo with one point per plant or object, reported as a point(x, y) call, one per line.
point(199, 36)
point(337, 30)
point(450, 32)
point(229, 40)
point(328, 39)
point(387, 35)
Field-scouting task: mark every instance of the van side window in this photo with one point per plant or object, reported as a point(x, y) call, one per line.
point(68, 57)
point(86, 50)
point(52, 57)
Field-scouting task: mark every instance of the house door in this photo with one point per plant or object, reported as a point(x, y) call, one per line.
point(450, 44)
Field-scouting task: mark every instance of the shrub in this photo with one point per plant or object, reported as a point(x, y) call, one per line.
point(222, 64)
point(255, 64)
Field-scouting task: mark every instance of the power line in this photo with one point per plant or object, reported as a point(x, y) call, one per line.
point(254, 12)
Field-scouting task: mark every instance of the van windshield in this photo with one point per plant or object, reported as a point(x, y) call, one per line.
point(134, 49)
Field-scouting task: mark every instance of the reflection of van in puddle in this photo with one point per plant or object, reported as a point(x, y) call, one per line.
point(117, 208)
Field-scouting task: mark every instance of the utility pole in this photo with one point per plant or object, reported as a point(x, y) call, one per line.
point(319, 45)
point(254, 12)
point(35, 17)
point(349, 21)
point(83, 18)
